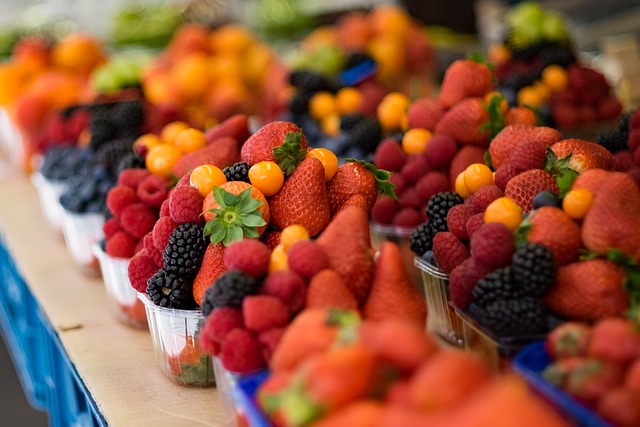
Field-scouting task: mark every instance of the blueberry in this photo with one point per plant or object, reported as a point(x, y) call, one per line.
point(428, 257)
point(546, 198)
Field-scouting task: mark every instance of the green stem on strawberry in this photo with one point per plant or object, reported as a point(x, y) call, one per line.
point(348, 322)
point(560, 170)
point(382, 178)
point(289, 154)
point(236, 217)
point(496, 118)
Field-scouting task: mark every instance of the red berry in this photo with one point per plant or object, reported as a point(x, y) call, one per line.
point(484, 196)
point(119, 197)
point(140, 270)
point(307, 258)
point(634, 138)
point(407, 217)
point(440, 151)
point(110, 227)
point(221, 321)
point(270, 340)
point(448, 251)
point(503, 175)
point(138, 219)
point(457, 220)
point(634, 121)
point(389, 155)
point(384, 210)
point(462, 280)
point(624, 160)
point(121, 245)
point(241, 352)
point(132, 177)
point(425, 113)
point(492, 245)
point(271, 239)
point(154, 253)
point(248, 255)
point(399, 183)
point(152, 191)
point(432, 183)
point(288, 287)
point(263, 312)
point(410, 199)
point(529, 155)
point(185, 204)
point(164, 208)
point(415, 168)
point(474, 223)
point(162, 231)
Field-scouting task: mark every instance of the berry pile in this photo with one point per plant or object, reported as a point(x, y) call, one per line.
point(624, 143)
point(62, 162)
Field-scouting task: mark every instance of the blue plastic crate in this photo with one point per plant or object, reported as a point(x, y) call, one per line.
point(529, 364)
point(244, 393)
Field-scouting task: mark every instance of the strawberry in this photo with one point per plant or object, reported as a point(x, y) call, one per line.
point(393, 293)
point(588, 290)
point(523, 187)
point(357, 200)
point(222, 152)
point(591, 179)
point(556, 230)
point(425, 113)
point(363, 413)
point(328, 290)
point(463, 122)
point(520, 115)
point(615, 340)
point(592, 379)
point(211, 268)
point(347, 242)
point(259, 146)
point(302, 199)
point(506, 141)
point(584, 155)
point(237, 127)
point(571, 339)
point(529, 155)
point(356, 177)
point(463, 79)
point(620, 407)
point(613, 220)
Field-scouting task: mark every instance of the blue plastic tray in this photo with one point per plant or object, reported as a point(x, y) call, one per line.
point(529, 364)
point(244, 393)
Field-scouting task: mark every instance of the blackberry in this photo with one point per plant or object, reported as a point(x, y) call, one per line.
point(525, 52)
point(557, 55)
point(311, 82)
point(130, 161)
point(128, 117)
point(512, 317)
point(103, 130)
point(170, 291)
point(299, 102)
point(349, 121)
point(613, 141)
point(62, 162)
point(533, 269)
point(438, 207)
point(230, 289)
point(366, 134)
point(623, 125)
point(109, 154)
point(421, 239)
point(497, 285)
point(183, 254)
point(237, 172)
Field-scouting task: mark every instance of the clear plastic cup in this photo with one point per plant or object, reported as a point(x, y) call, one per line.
point(442, 319)
point(226, 383)
point(49, 192)
point(81, 232)
point(176, 342)
point(123, 297)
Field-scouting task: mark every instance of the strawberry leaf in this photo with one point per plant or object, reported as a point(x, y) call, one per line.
point(236, 217)
point(560, 170)
point(289, 155)
point(521, 233)
point(478, 57)
point(496, 117)
point(631, 283)
point(382, 178)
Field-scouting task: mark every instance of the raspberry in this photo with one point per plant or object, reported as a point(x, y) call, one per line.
point(241, 352)
point(634, 139)
point(139, 246)
point(457, 220)
point(208, 344)
point(425, 113)
point(407, 217)
point(529, 155)
point(389, 155)
point(141, 268)
point(152, 191)
point(132, 177)
point(271, 239)
point(138, 219)
point(503, 175)
point(384, 210)
point(410, 199)
point(288, 287)
point(270, 340)
point(634, 120)
point(185, 180)
point(415, 167)
point(164, 208)
point(121, 245)
point(474, 222)
point(441, 150)
point(430, 184)
point(492, 245)
point(484, 196)
point(119, 198)
point(110, 227)
point(248, 255)
point(462, 280)
point(162, 231)
point(306, 258)
point(624, 160)
point(185, 204)
point(221, 321)
point(154, 253)
point(448, 251)
point(262, 312)
point(399, 182)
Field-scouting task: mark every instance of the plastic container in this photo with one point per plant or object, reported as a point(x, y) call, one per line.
point(176, 343)
point(497, 352)
point(49, 192)
point(81, 232)
point(124, 299)
point(400, 236)
point(245, 391)
point(225, 383)
point(442, 319)
point(529, 363)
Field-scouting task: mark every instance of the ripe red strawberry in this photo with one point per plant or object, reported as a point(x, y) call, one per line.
point(526, 185)
point(211, 268)
point(463, 79)
point(440, 151)
point(302, 199)
point(221, 153)
point(620, 407)
point(492, 246)
point(236, 127)
point(506, 141)
point(327, 289)
point(556, 230)
point(463, 123)
point(529, 155)
point(448, 251)
point(354, 178)
point(347, 242)
point(425, 113)
point(467, 155)
point(584, 155)
point(613, 221)
point(571, 339)
point(615, 340)
point(591, 179)
point(259, 146)
point(588, 291)
point(389, 155)
point(592, 379)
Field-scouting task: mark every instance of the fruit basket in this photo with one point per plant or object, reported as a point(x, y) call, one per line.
point(124, 299)
point(441, 316)
point(49, 192)
point(497, 352)
point(529, 363)
point(176, 343)
point(400, 236)
point(81, 232)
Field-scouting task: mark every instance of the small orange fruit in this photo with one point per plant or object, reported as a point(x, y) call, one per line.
point(461, 187)
point(392, 110)
point(322, 104)
point(328, 159)
point(278, 260)
point(476, 176)
point(576, 203)
point(267, 177)
point(205, 177)
point(348, 100)
point(148, 141)
point(190, 140)
point(161, 159)
point(171, 131)
point(292, 235)
point(555, 77)
point(505, 211)
point(415, 141)
point(331, 124)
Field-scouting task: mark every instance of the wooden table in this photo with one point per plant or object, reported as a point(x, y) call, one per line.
point(116, 362)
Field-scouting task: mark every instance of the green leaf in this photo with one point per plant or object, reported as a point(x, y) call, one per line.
point(290, 154)
point(229, 198)
point(381, 176)
point(253, 220)
point(565, 179)
point(218, 234)
point(521, 233)
point(233, 234)
point(251, 206)
point(218, 196)
point(250, 232)
point(496, 118)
